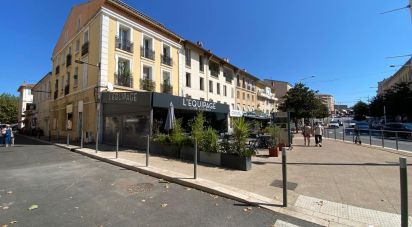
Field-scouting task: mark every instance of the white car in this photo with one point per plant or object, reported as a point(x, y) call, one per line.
point(333, 124)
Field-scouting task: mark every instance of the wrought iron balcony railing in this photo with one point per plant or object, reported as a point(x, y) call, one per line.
point(147, 53)
point(85, 48)
point(125, 80)
point(166, 60)
point(123, 44)
point(147, 84)
point(167, 88)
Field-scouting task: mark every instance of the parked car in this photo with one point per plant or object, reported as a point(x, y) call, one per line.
point(333, 124)
point(362, 126)
point(404, 130)
point(352, 124)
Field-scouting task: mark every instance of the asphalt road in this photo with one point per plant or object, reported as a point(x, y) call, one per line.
point(72, 190)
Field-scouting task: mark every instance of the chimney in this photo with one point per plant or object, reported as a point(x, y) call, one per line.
point(226, 60)
point(199, 43)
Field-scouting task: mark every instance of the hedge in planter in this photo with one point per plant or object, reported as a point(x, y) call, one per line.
point(209, 148)
point(236, 155)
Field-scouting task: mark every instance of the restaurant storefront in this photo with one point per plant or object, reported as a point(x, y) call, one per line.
point(136, 114)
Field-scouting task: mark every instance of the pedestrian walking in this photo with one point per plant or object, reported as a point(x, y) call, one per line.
point(3, 135)
point(319, 130)
point(307, 132)
point(7, 136)
point(12, 137)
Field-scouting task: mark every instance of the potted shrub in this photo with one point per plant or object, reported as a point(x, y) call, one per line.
point(237, 155)
point(161, 144)
point(274, 132)
point(210, 148)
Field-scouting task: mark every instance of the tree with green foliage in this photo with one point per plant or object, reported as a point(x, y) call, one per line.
point(360, 111)
point(301, 102)
point(198, 128)
point(320, 110)
point(397, 101)
point(240, 135)
point(8, 108)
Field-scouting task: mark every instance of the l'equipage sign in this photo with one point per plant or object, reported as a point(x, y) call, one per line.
point(198, 104)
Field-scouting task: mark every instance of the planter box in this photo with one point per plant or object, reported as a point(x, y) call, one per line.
point(236, 162)
point(163, 149)
point(210, 158)
point(187, 153)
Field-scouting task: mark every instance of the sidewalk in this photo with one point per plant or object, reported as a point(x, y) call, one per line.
point(339, 183)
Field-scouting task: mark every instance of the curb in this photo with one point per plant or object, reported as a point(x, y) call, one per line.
point(220, 190)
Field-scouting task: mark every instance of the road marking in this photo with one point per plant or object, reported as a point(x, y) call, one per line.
point(358, 214)
point(280, 223)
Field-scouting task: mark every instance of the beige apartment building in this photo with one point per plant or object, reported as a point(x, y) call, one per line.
point(41, 99)
point(246, 92)
point(403, 75)
point(328, 100)
point(266, 99)
point(281, 87)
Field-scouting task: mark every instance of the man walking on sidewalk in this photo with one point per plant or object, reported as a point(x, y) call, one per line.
point(318, 134)
point(307, 132)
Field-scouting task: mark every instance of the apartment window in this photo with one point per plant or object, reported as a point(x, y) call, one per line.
point(77, 45)
point(166, 59)
point(238, 94)
point(253, 98)
point(201, 64)
point(202, 84)
point(188, 80)
point(218, 88)
point(238, 81)
point(248, 98)
point(147, 50)
point(166, 86)
point(67, 87)
point(147, 72)
point(243, 83)
point(76, 76)
point(188, 57)
point(210, 86)
point(224, 90)
point(123, 40)
point(85, 75)
point(214, 68)
point(78, 24)
point(123, 76)
point(86, 36)
point(243, 95)
point(232, 93)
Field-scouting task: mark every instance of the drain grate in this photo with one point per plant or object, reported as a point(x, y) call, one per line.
point(140, 187)
point(279, 184)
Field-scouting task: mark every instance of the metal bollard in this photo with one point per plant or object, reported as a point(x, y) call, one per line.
point(404, 191)
point(396, 134)
point(58, 136)
point(343, 133)
point(49, 135)
point(68, 141)
point(117, 144)
point(335, 133)
point(97, 141)
point(147, 150)
point(383, 142)
point(370, 138)
point(81, 140)
point(284, 178)
point(195, 161)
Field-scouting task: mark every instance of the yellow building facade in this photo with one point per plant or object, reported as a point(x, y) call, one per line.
point(246, 92)
point(107, 46)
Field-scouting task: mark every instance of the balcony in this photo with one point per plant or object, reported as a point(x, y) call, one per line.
point(125, 45)
point(124, 79)
point(66, 89)
point(57, 69)
point(166, 60)
point(68, 60)
point(56, 93)
point(166, 88)
point(147, 53)
point(228, 77)
point(147, 84)
point(85, 48)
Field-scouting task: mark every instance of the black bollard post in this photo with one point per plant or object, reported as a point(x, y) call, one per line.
point(284, 178)
point(404, 191)
point(147, 150)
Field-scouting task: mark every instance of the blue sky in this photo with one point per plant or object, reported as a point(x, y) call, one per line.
point(343, 43)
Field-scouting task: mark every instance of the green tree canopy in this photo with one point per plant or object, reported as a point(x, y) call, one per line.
point(360, 111)
point(8, 108)
point(321, 110)
point(397, 101)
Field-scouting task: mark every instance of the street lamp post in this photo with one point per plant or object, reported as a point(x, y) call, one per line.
point(97, 101)
point(304, 78)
